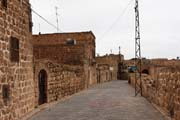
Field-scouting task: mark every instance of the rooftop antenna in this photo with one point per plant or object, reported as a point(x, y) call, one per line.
point(39, 28)
point(119, 50)
point(57, 20)
point(138, 59)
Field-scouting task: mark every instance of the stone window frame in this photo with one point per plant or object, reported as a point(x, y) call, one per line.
point(5, 3)
point(14, 49)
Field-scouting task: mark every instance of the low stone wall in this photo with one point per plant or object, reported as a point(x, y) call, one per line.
point(164, 90)
point(62, 80)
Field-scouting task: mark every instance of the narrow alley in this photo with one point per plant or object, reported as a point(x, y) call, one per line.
point(109, 101)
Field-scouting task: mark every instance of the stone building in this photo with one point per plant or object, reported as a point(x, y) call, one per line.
point(41, 68)
point(108, 67)
point(16, 65)
point(161, 84)
point(149, 65)
point(67, 63)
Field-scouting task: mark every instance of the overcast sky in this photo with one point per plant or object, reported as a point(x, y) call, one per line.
point(112, 22)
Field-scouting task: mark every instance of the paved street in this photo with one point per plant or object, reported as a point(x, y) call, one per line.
point(109, 101)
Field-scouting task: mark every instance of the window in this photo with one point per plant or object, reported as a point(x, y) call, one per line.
point(4, 3)
point(14, 49)
point(6, 93)
point(71, 41)
point(30, 26)
point(93, 53)
point(30, 21)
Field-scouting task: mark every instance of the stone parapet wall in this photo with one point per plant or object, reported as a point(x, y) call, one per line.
point(61, 38)
point(164, 90)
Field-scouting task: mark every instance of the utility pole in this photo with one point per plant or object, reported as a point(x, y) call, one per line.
point(57, 20)
point(138, 59)
point(119, 53)
point(119, 50)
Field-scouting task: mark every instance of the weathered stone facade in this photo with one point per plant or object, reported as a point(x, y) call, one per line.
point(62, 64)
point(62, 80)
point(62, 54)
point(108, 67)
point(65, 68)
point(165, 89)
point(82, 50)
point(71, 56)
point(16, 71)
point(103, 73)
point(162, 85)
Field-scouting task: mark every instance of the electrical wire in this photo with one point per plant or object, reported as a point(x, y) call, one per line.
point(44, 19)
point(114, 23)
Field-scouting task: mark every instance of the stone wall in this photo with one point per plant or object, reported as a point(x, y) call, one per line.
point(62, 54)
point(103, 73)
point(62, 80)
point(163, 89)
point(55, 47)
point(86, 39)
point(61, 38)
point(108, 67)
point(16, 77)
point(92, 74)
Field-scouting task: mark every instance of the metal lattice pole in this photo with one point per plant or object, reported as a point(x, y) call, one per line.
point(138, 85)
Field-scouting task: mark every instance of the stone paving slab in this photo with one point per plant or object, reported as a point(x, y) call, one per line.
point(109, 101)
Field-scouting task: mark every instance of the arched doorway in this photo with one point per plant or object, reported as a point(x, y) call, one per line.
point(42, 83)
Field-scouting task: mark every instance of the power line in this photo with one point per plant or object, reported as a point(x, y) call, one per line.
point(44, 19)
point(114, 23)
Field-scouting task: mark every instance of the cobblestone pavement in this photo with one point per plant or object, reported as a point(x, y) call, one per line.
point(109, 101)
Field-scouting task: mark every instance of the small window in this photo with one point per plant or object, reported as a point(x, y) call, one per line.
point(4, 3)
point(6, 93)
point(30, 21)
point(14, 49)
point(93, 54)
point(71, 42)
point(30, 26)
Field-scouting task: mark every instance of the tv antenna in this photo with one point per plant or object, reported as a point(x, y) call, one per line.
point(57, 19)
